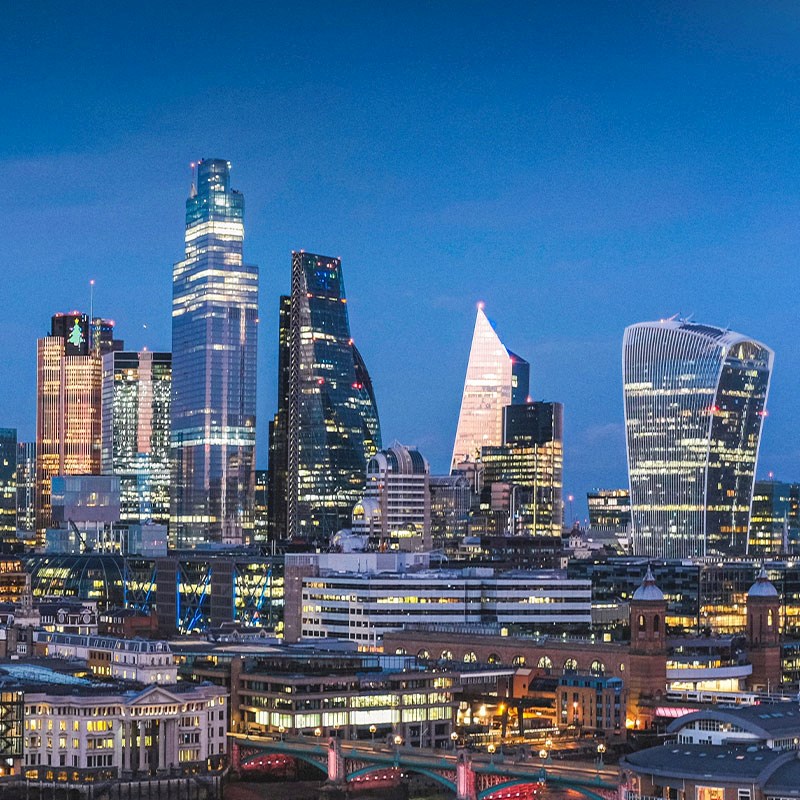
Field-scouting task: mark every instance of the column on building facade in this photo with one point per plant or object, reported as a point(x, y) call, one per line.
point(162, 745)
point(126, 745)
point(143, 765)
point(171, 736)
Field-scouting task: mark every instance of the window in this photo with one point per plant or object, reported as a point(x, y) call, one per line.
point(545, 663)
point(598, 668)
point(570, 665)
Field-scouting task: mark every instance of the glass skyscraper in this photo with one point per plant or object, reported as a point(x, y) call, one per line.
point(8, 488)
point(496, 378)
point(327, 426)
point(136, 441)
point(214, 319)
point(695, 399)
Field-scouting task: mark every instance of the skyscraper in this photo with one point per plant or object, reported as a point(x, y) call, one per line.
point(214, 319)
point(136, 443)
point(496, 378)
point(26, 487)
point(695, 398)
point(530, 461)
point(327, 426)
point(68, 403)
point(8, 488)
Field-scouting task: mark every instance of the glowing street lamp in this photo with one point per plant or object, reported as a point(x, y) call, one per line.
point(601, 749)
point(491, 750)
point(372, 730)
point(281, 731)
point(317, 732)
point(454, 739)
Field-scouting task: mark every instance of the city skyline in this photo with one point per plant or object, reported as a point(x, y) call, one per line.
point(647, 175)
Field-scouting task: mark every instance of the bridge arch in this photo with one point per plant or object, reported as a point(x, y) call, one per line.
point(499, 787)
point(448, 784)
point(323, 768)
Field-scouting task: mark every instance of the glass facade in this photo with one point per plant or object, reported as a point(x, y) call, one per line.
point(26, 486)
point(68, 403)
point(214, 320)
point(695, 400)
point(136, 444)
point(609, 508)
point(496, 378)
point(774, 519)
point(327, 414)
point(531, 463)
point(8, 488)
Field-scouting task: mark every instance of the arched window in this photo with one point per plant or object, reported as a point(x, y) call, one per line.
point(641, 622)
point(447, 655)
point(470, 657)
point(570, 665)
point(423, 655)
point(598, 668)
point(400, 651)
point(545, 663)
point(657, 626)
point(518, 661)
point(769, 618)
point(494, 659)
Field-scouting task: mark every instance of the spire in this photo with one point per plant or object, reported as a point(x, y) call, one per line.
point(763, 587)
point(648, 590)
point(193, 191)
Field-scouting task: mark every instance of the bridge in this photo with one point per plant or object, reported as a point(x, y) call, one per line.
point(347, 765)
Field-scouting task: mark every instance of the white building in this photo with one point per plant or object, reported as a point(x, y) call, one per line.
point(110, 733)
point(395, 511)
point(138, 660)
point(363, 605)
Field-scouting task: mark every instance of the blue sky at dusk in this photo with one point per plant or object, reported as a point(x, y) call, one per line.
point(576, 166)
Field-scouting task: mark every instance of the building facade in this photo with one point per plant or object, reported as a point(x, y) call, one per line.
point(8, 488)
point(327, 426)
point(214, 332)
point(137, 391)
point(68, 403)
point(695, 399)
point(26, 488)
point(524, 475)
point(774, 519)
point(495, 378)
point(395, 511)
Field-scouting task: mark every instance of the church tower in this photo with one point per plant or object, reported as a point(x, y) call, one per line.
point(763, 633)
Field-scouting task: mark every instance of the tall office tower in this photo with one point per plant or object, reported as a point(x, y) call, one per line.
point(277, 475)
point(326, 407)
point(496, 378)
point(8, 489)
point(261, 507)
point(395, 511)
point(214, 319)
point(695, 398)
point(530, 463)
point(135, 428)
point(26, 487)
point(774, 519)
point(68, 403)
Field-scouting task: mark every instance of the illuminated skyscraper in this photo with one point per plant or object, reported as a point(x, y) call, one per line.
point(496, 378)
point(26, 487)
point(695, 400)
point(214, 319)
point(326, 427)
point(8, 488)
point(68, 403)
point(530, 461)
point(136, 443)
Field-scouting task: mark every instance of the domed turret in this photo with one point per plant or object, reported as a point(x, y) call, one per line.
point(763, 587)
point(648, 591)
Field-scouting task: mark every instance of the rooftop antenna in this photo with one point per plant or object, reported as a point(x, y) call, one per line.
point(91, 315)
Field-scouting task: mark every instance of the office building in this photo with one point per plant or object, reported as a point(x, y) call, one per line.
point(695, 400)
point(362, 596)
point(26, 488)
point(524, 476)
point(451, 501)
point(326, 427)
point(68, 403)
point(609, 509)
point(774, 519)
point(395, 511)
point(496, 378)
point(214, 321)
point(135, 426)
point(261, 507)
point(8, 489)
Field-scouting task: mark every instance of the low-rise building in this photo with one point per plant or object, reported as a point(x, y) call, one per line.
point(137, 660)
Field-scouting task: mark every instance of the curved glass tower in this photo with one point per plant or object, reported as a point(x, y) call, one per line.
point(331, 422)
point(214, 318)
point(695, 398)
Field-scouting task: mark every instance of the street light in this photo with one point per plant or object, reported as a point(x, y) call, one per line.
point(281, 731)
point(372, 730)
point(491, 750)
point(601, 749)
point(398, 740)
point(317, 732)
point(543, 753)
point(454, 739)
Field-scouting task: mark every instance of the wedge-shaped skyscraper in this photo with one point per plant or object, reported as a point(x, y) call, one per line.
point(695, 399)
point(326, 427)
point(496, 378)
